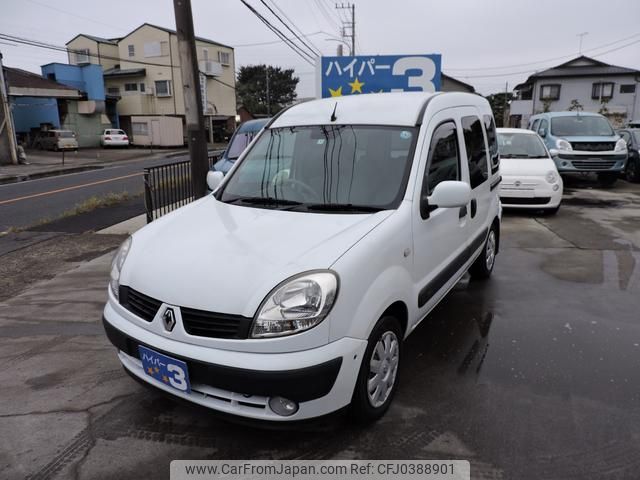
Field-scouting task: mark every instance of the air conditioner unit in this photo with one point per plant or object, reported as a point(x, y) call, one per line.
point(209, 67)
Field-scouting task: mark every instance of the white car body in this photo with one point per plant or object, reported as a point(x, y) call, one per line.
point(114, 137)
point(214, 256)
point(525, 181)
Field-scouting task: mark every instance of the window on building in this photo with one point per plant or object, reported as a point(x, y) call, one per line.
point(550, 92)
point(476, 152)
point(142, 87)
point(224, 58)
point(152, 49)
point(602, 90)
point(163, 88)
point(444, 157)
point(139, 128)
point(205, 54)
point(113, 90)
point(492, 140)
point(130, 87)
point(82, 55)
point(132, 50)
point(628, 88)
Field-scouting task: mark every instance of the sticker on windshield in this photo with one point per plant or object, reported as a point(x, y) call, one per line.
point(405, 134)
point(320, 141)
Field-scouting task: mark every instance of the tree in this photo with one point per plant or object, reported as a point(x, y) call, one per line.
point(575, 106)
point(497, 102)
point(251, 88)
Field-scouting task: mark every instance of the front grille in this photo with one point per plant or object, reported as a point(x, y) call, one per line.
point(139, 304)
point(200, 323)
point(214, 325)
point(593, 146)
point(525, 201)
point(593, 164)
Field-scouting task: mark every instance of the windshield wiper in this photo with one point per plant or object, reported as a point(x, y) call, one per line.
point(265, 201)
point(515, 155)
point(343, 207)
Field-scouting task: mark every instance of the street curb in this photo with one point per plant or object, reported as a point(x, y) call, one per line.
point(52, 173)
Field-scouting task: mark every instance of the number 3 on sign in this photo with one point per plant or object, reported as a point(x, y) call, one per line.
point(178, 380)
point(423, 80)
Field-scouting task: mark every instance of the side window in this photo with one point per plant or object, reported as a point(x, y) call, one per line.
point(492, 140)
point(543, 127)
point(476, 153)
point(444, 157)
point(534, 126)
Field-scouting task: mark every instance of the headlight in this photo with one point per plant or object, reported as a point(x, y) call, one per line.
point(116, 266)
point(562, 144)
point(621, 145)
point(296, 305)
point(551, 176)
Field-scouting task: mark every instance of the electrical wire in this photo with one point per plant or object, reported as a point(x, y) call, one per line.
point(315, 49)
point(313, 52)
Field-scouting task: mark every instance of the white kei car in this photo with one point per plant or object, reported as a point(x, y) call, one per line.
point(114, 137)
point(530, 179)
point(286, 294)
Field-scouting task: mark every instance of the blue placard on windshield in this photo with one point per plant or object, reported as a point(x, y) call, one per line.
point(379, 73)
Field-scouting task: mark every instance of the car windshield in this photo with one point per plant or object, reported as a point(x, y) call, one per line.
point(65, 134)
point(325, 169)
point(239, 143)
point(580, 126)
point(520, 145)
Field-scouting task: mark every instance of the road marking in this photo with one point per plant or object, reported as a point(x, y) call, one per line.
point(75, 187)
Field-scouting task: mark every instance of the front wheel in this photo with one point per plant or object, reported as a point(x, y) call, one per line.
point(378, 376)
point(632, 173)
point(551, 211)
point(483, 266)
point(607, 179)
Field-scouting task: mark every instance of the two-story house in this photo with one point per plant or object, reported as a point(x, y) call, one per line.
point(581, 84)
point(142, 69)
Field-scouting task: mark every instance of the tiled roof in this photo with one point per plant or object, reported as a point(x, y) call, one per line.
point(127, 72)
point(22, 79)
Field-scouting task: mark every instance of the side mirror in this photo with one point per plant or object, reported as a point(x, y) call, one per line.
point(214, 179)
point(542, 132)
point(447, 194)
point(553, 152)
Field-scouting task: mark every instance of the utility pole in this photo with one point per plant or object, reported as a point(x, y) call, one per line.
point(352, 9)
point(268, 93)
point(581, 35)
point(196, 134)
point(505, 116)
point(7, 130)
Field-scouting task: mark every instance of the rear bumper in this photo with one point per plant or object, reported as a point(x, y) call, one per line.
point(320, 380)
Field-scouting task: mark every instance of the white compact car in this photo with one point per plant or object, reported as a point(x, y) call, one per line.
point(530, 178)
point(287, 292)
point(114, 138)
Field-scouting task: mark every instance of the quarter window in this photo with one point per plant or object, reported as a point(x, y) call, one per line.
point(476, 152)
point(444, 157)
point(549, 92)
point(492, 140)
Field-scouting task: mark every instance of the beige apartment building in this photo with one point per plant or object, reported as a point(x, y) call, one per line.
point(142, 70)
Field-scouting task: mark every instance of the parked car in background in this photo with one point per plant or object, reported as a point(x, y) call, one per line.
point(632, 137)
point(530, 179)
point(582, 142)
point(342, 226)
point(239, 141)
point(56, 140)
point(113, 137)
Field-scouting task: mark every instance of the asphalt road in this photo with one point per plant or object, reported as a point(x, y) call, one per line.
point(27, 203)
point(533, 374)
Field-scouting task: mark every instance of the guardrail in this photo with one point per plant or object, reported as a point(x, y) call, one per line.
point(168, 187)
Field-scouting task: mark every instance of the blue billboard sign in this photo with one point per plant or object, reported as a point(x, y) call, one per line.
point(379, 73)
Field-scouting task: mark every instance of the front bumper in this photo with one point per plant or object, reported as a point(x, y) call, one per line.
point(530, 192)
point(321, 380)
point(578, 161)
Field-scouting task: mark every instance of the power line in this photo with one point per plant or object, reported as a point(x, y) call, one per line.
point(316, 49)
point(313, 52)
point(274, 42)
point(321, 8)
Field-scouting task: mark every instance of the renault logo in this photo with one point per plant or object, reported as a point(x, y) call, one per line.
point(169, 319)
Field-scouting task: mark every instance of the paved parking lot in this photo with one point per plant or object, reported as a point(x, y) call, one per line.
point(533, 375)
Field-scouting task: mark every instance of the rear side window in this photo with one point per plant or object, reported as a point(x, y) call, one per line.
point(444, 157)
point(492, 140)
point(476, 153)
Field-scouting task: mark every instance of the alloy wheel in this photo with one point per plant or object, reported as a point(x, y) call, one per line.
point(383, 368)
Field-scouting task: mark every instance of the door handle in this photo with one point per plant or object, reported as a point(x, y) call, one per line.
point(474, 207)
point(462, 212)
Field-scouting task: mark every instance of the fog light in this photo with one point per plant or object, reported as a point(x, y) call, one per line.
point(283, 406)
point(556, 187)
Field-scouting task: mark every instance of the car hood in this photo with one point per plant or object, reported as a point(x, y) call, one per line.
point(510, 167)
point(226, 258)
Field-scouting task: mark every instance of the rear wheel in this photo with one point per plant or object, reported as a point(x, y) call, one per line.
point(632, 173)
point(483, 266)
point(607, 179)
point(378, 376)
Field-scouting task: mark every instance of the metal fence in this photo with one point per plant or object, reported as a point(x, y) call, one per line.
point(168, 187)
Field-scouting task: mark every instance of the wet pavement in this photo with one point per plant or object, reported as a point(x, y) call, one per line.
point(532, 375)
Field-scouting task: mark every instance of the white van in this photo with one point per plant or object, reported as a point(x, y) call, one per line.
point(287, 292)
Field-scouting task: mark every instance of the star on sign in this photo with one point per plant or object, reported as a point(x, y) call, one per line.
point(336, 93)
point(165, 379)
point(356, 86)
point(150, 370)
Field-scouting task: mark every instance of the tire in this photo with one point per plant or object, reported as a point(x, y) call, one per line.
point(55, 148)
point(367, 407)
point(632, 172)
point(551, 211)
point(483, 266)
point(607, 179)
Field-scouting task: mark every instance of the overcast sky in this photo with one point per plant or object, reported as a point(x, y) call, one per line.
point(473, 36)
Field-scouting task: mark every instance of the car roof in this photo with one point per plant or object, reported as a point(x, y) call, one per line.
point(516, 130)
point(253, 125)
point(567, 114)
